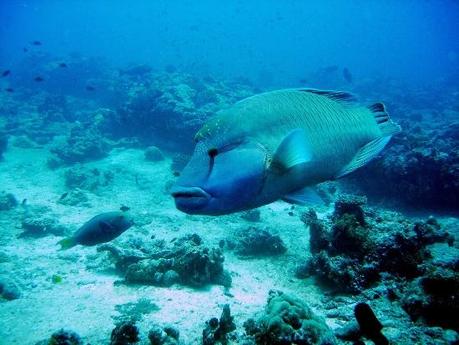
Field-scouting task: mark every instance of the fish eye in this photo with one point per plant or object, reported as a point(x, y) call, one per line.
point(212, 152)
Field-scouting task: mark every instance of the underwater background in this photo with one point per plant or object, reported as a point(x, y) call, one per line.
point(99, 105)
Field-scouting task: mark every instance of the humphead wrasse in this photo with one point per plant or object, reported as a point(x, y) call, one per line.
point(276, 145)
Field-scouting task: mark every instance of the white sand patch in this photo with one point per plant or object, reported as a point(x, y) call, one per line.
point(85, 300)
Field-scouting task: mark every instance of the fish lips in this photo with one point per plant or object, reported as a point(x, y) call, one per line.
point(190, 199)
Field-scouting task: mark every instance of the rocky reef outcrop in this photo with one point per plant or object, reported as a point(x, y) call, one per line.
point(187, 261)
point(355, 246)
point(419, 168)
point(288, 320)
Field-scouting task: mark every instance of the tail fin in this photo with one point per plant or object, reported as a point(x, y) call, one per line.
point(67, 243)
point(385, 124)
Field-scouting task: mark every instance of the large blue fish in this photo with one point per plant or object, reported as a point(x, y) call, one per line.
point(276, 145)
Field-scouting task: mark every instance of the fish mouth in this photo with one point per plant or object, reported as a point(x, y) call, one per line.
point(188, 199)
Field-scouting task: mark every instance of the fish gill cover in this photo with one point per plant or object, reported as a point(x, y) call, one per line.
point(332, 127)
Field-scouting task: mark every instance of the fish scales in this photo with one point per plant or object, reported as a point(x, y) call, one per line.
point(276, 145)
point(321, 118)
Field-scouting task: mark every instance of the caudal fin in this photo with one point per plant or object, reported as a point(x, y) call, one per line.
point(66, 243)
point(385, 124)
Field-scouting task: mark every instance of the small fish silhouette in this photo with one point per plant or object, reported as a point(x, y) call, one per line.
point(6, 73)
point(347, 75)
point(63, 65)
point(38, 79)
point(90, 88)
point(9, 89)
point(36, 43)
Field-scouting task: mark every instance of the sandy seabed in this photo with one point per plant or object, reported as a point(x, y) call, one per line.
point(86, 298)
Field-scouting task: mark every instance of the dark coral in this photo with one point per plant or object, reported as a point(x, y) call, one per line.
point(433, 298)
point(7, 201)
point(65, 337)
point(259, 242)
point(351, 250)
point(9, 289)
point(419, 169)
point(124, 334)
point(288, 320)
point(216, 330)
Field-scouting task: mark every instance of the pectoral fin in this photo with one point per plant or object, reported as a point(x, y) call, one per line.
point(364, 155)
point(305, 196)
point(293, 150)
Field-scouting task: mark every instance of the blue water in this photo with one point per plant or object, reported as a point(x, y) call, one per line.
point(268, 42)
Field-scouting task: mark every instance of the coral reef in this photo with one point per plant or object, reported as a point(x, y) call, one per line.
point(172, 105)
point(163, 335)
point(37, 223)
point(353, 247)
point(153, 154)
point(216, 330)
point(63, 337)
point(8, 289)
point(433, 298)
point(7, 201)
point(186, 262)
point(288, 320)
point(420, 168)
point(256, 242)
point(81, 177)
point(83, 144)
point(124, 333)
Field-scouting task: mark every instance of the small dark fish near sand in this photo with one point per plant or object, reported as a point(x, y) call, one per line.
point(90, 88)
point(38, 79)
point(347, 75)
point(63, 65)
point(9, 89)
point(6, 73)
point(99, 229)
point(36, 43)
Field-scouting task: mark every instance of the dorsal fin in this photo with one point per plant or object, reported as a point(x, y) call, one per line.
point(337, 96)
